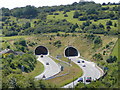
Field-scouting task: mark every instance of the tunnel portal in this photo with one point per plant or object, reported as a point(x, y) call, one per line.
point(71, 52)
point(41, 50)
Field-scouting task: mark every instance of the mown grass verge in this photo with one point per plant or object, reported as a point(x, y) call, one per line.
point(74, 73)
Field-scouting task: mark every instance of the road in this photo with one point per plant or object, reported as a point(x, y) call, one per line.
point(49, 70)
point(90, 70)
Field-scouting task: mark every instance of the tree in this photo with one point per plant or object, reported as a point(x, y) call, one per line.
point(76, 14)
point(21, 42)
point(91, 11)
point(109, 23)
point(26, 25)
point(29, 11)
point(93, 26)
point(103, 3)
point(17, 12)
point(5, 12)
point(97, 40)
point(65, 15)
point(98, 56)
point(101, 25)
point(83, 18)
point(87, 23)
point(25, 12)
point(115, 25)
point(111, 59)
point(74, 27)
point(57, 43)
point(108, 28)
point(56, 13)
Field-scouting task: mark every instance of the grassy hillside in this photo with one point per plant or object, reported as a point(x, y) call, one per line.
point(75, 20)
point(89, 27)
point(84, 46)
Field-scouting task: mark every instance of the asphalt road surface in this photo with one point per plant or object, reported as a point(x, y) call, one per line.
point(49, 70)
point(90, 70)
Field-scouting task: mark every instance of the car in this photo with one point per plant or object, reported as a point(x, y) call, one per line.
point(83, 61)
point(41, 56)
point(88, 79)
point(80, 80)
point(47, 63)
point(78, 61)
point(44, 76)
point(84, 65)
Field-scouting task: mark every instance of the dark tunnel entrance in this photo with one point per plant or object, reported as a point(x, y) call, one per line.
point(41, 50)
point(71, 51)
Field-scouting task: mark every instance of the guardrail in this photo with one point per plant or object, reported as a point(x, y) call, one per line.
point(58, 73)
point(57, 76)
point(104, 72)
point(61, 61)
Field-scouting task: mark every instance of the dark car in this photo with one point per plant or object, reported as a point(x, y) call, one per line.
point(41, 56)
point(88, 79)
point(84, 65)
point(80, 80)
point(47, 63)
point(83, 61)
point(78, 61)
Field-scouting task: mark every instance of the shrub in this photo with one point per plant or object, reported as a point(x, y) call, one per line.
point(111, 59)
point(65, 15)
point(56, 13)
point(57, 43)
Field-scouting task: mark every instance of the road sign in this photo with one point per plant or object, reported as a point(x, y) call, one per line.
point(62, 68)
point(59, 56)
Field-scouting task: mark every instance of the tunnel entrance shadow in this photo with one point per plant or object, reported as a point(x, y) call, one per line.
point(41, 50)
point(71, 52)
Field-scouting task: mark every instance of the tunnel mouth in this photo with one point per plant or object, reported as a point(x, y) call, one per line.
point(71, 52)
point(41, 50)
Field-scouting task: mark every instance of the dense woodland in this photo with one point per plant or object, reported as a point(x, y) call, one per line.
point(32, 20)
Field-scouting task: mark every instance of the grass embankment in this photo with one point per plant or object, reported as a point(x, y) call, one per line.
point(74, 73)
point(39, 68)
point(115, 50)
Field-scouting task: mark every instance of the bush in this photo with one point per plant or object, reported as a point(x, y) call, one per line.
point(98, 56)
point(57, 43)
point(65, 15)
point(97, 40)
point(111, 59)
point(56, 13)
point(21, 42)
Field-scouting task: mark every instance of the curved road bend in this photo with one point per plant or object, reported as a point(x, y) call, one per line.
point(49, 70)
point(90, 70)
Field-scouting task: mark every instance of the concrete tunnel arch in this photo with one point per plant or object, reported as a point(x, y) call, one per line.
point(71, 52)
point(41, 50)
